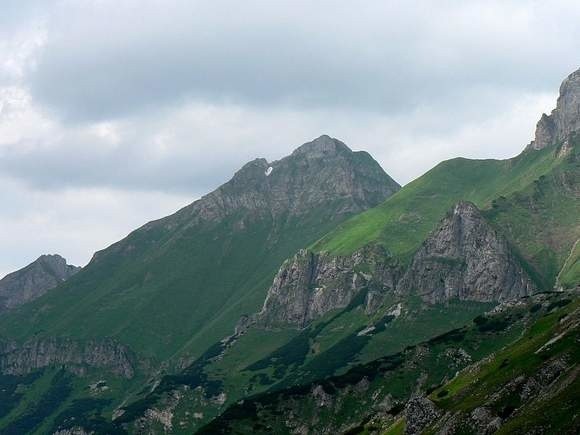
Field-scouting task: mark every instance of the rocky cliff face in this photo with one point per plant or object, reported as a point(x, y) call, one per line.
point(219, 249)
point(34, 280)
point(324, 174)
point(317, 172)
point(309, 285)
point(564, 119)
point(466, 258)
point(20, 359)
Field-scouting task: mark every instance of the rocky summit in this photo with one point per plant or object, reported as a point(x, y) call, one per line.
point(188, 269)
point(317, 173)
point(34, 280)
point(564, 119)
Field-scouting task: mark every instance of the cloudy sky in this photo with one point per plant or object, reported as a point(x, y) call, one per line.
point(116, 112)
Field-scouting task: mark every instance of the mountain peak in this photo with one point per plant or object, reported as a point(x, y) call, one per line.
point(34, 280)
point(564, 119)
point(51, 259)
point(317, 174)
point(322, 146)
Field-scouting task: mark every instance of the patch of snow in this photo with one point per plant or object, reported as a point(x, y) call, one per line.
point(269, 170)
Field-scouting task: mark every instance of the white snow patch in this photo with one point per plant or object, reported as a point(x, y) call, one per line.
point(269, 170)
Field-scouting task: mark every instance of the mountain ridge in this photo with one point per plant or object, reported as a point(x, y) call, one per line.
point(177, 295)
point(205, 246)
point(564, 119)
point(34, 280)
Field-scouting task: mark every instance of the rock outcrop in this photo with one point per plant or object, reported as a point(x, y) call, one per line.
point(322, 173)
point(315, 173)
point(309, 285)
point(564, 119)
point(20, 359)
point(77, 430)
point(34, 280)
point(465, 258)
point(419, 412)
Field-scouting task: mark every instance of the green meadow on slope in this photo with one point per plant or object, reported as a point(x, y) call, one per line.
point(530, 199)
point(524, 197)
point(520, 340)
point(207, 280)
point(403, 221)
point(177, 285)
point(172, 292)
point(570, 275)
point(546, 356)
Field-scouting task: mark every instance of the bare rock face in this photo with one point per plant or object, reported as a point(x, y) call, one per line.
point(564, 119)
point(485, 420)
point(465, 258)
point(309, 285)
point(34, 280)
point(20, 359)
point(419, 413)
point(77, 430)
point(324, 175)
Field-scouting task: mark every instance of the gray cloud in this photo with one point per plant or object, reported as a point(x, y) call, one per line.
point(72, 222)
point(103, 59)
point(194, 148)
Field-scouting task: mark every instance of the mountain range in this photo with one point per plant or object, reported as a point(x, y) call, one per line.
point(313, 294)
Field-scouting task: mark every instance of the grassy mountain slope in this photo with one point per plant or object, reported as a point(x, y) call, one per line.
point(570, 274)
point(528, 198)
point(157, 303)
point(176, 286)
point(259, 361)
point(403, 221)
point(531, 199)
point(542, 220)
point(520, 340)
point(532, 384)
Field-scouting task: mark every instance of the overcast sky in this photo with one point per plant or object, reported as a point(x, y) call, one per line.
point(116, 112)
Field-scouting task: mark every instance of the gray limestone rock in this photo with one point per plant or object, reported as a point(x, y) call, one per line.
point(485, 421)
point(419, 413)
point(34, 280)
point(324, 172)
point(465, 258)
point(309, 285)
point(317, 172)
point(19, 359)
point(564, 119)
